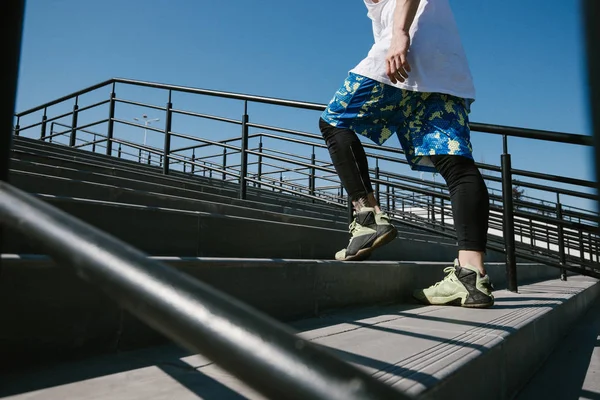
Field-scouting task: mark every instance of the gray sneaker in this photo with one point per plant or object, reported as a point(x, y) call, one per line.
point(462, 286)
point(369, 230)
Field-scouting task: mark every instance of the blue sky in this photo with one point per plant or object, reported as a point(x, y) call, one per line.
point(526, 58)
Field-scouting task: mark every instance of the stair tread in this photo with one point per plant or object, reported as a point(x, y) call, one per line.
point(410, 347)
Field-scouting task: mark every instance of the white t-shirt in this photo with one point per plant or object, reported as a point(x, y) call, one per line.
point(436, 55)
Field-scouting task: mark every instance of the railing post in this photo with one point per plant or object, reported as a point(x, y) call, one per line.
point(433, 208)
point(377, 179)
point(43, 128)
point(243, 152)
point(311, 179)
point(51, 131)
point(224, 163)
point(508, 225)
point(280, 182)
point(167, 145)
point(590, 247)
point(111, 123)
point(531, 234)
point(561, 238)
point(119, 152)
point(443, 208)
point(387, 196)
point(73, 138)
point(11, 24)
point(590, 11)
point(193, 161)
point(581, 246)
point(260, 147)
point(94, 144)
point(350, 210)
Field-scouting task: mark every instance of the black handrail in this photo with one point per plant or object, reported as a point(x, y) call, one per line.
point(257, 349)
point(590, 12)
point(507, 179)
point(475, 126)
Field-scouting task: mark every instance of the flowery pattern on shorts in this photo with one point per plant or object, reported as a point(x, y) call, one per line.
point(426, 123)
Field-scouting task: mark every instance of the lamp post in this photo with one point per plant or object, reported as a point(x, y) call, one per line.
point(146, 123)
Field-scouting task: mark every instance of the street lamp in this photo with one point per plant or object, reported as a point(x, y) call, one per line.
point(146, 123)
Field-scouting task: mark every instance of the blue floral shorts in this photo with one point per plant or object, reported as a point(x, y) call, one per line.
point(426, 123)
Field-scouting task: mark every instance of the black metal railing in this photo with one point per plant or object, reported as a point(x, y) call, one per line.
point(186, 310)
point(247, 343)
point(548, 231)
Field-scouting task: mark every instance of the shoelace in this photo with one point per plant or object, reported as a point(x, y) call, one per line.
point(450, 276)
point(353, 226)
point(385, 217)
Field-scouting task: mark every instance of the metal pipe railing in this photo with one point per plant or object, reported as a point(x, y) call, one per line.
point(590, 13)
point(383, 154)
point(250, 345)
point(11, 27)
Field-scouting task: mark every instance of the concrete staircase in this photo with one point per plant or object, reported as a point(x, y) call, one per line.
point(61, 338)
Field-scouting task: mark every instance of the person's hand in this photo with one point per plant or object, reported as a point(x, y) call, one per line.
point(397, 67)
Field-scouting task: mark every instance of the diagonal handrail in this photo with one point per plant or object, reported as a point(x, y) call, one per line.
point(257, 349)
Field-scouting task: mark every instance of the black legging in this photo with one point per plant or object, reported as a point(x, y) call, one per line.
point(468, 193)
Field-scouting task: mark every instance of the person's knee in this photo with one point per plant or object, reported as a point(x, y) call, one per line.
point(453, 168)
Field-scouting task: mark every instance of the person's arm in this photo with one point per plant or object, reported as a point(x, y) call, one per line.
point(397, 67)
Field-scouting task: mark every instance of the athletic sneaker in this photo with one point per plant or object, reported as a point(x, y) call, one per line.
point(369, 230)
point(462, 286)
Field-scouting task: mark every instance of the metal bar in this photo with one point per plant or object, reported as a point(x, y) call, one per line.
point(167, 143)
point(561, 240)
point(17, 128)
point(591, 13)
point(111, 123)
point(509, 229)
point(73, 137)
point(11, 28)
point(224, 177)
point(67, 97)
point(207, 116)
point(377, 177)
point(312, 178)
point(244, 153)
point(559, 137)
point(250, 345)
point(43, 127)
point(136, 103)
point(260, 150)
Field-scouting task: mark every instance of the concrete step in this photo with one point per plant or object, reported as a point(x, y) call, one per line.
point(48, 313)
point(67, 187)
point(428, 352)
point(572, 371)
point(171, 232)
point(165, 185)
point(216, 186)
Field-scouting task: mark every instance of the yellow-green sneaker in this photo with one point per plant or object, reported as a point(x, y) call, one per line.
point(368, 231)
point(462, 286)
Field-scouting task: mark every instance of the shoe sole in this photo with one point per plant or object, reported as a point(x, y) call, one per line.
point(455, 303)
point(382, 240)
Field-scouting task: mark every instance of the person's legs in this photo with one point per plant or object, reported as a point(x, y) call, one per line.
point(350, 162)
point(470, 207)
point(371, 228)
point(439, 140)
point(466, 283)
